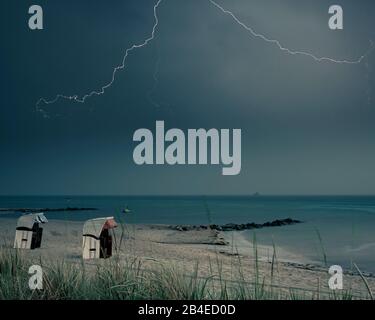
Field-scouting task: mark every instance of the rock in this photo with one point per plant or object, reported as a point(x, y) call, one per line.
point(230, 254)
point(230, 226)
point(33, 210)
point(220, 242)
point(215, 227)
point(237, 227)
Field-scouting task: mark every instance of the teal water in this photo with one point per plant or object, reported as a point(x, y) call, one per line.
point(346, 224)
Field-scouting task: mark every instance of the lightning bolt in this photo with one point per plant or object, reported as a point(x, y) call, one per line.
point(156, 80)
point(284, 49)
point(122, 66)
point(151, 93)
point(101, 91)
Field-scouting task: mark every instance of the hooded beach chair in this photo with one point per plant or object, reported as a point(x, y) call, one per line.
point(96, 237)
point(29, 232)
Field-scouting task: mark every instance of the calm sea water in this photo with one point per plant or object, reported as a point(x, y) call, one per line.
point(346, 225)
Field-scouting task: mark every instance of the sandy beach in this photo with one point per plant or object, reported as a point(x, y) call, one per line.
point(208, 251)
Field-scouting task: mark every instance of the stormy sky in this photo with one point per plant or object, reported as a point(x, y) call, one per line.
point(307, 126)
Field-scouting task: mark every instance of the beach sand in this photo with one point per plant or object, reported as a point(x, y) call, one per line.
point(159, 245)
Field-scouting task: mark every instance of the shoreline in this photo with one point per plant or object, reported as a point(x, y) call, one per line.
point(158, 245)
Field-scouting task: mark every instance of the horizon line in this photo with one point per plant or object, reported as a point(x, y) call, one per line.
point(253, 195)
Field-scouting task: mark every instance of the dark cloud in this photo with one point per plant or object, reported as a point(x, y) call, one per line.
point(307, 126)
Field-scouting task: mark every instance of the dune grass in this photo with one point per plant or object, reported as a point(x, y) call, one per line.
point(116, 279)
point(129, 279)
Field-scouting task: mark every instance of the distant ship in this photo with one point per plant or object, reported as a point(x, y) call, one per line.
point(256, 194)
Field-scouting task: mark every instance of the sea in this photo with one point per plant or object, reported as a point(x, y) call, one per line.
point(336, 230)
